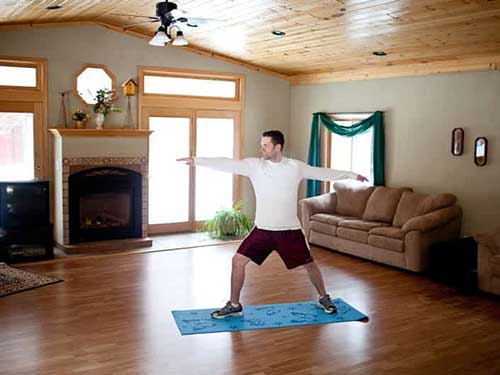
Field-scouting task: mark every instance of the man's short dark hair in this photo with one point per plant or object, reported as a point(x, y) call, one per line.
point(277, 137)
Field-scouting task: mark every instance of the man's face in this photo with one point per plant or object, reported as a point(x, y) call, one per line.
point(267, 149)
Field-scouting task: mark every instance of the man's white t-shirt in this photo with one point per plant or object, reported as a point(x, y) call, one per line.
point(275, 185)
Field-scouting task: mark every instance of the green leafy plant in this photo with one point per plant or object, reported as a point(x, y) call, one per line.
point(229, 223)
point(104, 102)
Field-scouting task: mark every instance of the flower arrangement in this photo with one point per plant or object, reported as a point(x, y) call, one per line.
point(79, 115)
point(104, 102)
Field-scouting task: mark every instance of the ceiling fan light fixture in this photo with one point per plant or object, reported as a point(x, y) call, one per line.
point(380, 53)
point(278, 32)
point(180, 40)
point(160, 38)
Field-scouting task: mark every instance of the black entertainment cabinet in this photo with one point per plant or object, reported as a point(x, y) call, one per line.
point(25, 229)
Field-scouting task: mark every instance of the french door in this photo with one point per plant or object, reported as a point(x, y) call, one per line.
point(183, 197)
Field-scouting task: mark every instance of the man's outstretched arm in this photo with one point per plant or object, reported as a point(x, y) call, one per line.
point(241, 167)
point(328, 174)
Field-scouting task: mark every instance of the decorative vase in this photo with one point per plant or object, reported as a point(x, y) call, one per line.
point(99, 120)
point(80, 124)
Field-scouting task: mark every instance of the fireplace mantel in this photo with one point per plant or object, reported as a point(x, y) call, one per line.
point(65, 132)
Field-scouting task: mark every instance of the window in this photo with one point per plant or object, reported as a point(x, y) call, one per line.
point(90, 78)
point(17, 76)
point(348, 153)
point(189, 86)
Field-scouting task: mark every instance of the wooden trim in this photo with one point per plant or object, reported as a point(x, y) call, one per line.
point(169, 228)
point(472, 64)
point(64, 132)
point(146, 36)
point(80, 71)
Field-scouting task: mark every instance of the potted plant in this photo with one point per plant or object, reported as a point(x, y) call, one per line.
point(104, 103)
point(80, 118)
point(229, 223)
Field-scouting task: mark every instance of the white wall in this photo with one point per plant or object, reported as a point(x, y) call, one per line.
point(267, 98)
point(420, 113)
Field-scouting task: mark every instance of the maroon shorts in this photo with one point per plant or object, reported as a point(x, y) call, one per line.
point(290, 245)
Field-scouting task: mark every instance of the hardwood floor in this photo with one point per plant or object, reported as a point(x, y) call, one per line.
point(112, 315)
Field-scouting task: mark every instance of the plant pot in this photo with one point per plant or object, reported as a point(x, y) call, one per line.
point(99, 120)
point(80, 124)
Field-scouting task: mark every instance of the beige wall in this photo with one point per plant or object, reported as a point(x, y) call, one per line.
point(420, 113)
point(267, 98)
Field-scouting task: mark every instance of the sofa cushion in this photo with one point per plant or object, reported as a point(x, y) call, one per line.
point(352, 234)
point(351, 198)
point(382, 204)
point(362, 224)
point(324, 228)
point(330, 219)
point(410, 205)
point(441, 201)
point(386, 242)
point(391, 232)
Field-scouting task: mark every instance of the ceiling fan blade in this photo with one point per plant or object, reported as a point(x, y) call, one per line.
point(138, 24)
point(197, 21)
point(134, 15)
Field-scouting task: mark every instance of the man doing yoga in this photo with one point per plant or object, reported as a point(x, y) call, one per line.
point(275, 180)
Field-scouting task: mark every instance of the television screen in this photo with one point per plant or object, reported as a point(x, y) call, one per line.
point(24, 204)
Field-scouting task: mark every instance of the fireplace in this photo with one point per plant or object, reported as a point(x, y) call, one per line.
point(105, 203)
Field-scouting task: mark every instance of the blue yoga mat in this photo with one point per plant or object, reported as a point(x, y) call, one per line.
point(192, 322)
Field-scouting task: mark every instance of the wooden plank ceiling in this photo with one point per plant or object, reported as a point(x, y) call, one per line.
point(326, 40)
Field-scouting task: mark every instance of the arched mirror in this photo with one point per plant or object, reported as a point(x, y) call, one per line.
point(457, 141)
point(480, 151)
point(90, 78)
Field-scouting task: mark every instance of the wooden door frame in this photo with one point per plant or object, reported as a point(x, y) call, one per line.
point(30, 99)
point(192, 224)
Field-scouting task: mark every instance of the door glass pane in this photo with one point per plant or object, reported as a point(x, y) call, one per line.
point(214, 189)
point(17, 76)
point(168, 179)
point(17, 158)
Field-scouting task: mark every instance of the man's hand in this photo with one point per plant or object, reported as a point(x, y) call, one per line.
point(188, 161)
point(361, 178)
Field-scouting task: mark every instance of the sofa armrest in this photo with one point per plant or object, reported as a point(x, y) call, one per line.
point(325, 203)
point(432, 220)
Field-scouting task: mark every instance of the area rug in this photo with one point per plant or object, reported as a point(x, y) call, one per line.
point(14, 280)
point(281, 315)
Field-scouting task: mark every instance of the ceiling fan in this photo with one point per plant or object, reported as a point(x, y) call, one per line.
point(170, 18)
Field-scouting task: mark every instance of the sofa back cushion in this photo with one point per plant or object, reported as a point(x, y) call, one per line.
point(382, 204)
point(351, 198)
point(410, 205)
point(441, 201)
point(416, 204)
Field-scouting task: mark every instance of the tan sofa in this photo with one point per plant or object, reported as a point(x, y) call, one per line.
point(394, 226)
point(488, 262)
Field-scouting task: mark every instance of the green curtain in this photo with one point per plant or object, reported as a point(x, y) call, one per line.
point(375, 120)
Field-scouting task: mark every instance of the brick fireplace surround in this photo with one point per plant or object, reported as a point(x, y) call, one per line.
point(75, 150)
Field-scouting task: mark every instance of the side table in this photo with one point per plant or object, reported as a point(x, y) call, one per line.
point(455, 263)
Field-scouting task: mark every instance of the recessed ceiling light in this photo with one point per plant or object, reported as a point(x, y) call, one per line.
point(54, 7)
point(278, 32)
point(380, 53)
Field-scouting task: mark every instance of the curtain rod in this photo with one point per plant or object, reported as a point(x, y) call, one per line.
point(348, 113)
